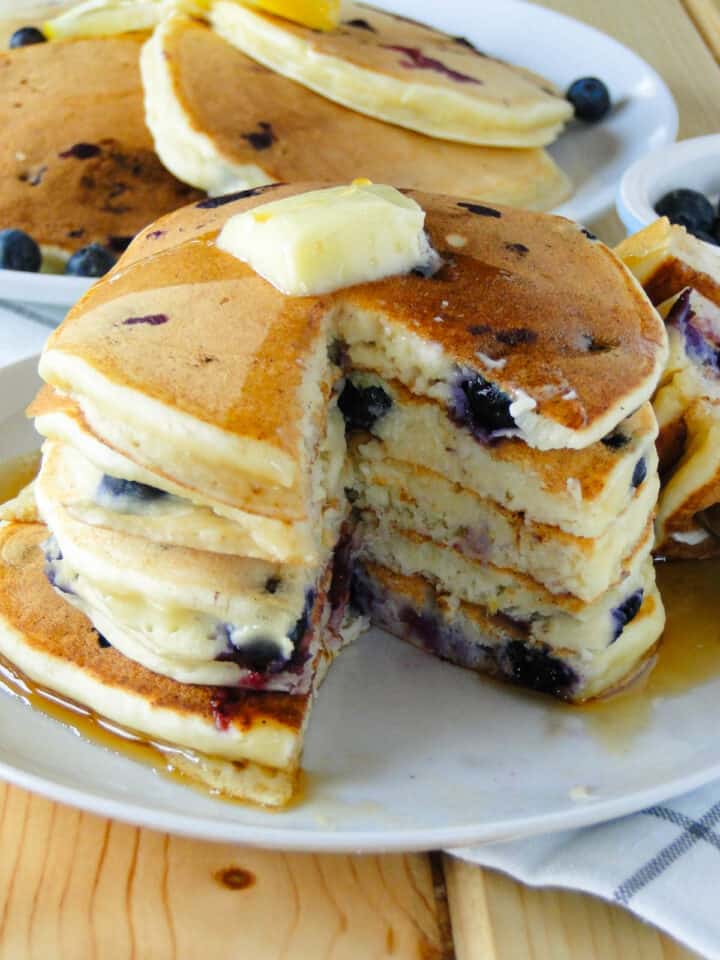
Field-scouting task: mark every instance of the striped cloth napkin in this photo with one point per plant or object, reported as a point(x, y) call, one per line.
point(663, 864)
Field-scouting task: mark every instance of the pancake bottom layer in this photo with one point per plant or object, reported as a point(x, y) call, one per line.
point(473, 637)
point(243, 743)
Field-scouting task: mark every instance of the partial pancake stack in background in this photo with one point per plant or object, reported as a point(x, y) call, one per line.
point(475, 442)
point(92, 152)
point(681, 274)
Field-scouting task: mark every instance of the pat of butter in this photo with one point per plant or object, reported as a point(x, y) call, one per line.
point(323, 240)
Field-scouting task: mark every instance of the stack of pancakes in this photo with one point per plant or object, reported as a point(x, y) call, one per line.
point(681, 274)
point(475, 447)
point(329, 105)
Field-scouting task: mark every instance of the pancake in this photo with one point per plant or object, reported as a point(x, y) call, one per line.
point(478, 638)
point(682, 275)
point(518, 311)
point(665, 258)
point(581, 492)
point(222, 121)
point(412, 497)
point(78, 164)
point(243, 742)
point(405, 73)
point(204, 430)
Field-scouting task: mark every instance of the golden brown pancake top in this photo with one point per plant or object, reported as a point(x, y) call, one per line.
point(57, 630)
point(574, 329)
point(256, 116)
point(78, 163)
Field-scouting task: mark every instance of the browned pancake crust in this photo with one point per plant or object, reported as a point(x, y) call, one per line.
point(53, 627)
point(88, 91)
point(253, 115)
point(532, 289)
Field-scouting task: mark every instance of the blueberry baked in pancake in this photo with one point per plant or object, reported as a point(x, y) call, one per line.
point(403, 72)
point(293, 411)
point(221, 121)
point(682, 276)
point(78, 164)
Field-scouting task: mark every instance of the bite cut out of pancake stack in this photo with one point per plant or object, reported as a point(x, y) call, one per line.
point(234, 481)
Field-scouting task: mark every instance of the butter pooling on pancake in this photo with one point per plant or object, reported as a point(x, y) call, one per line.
point(405, 73)
point(238, 125)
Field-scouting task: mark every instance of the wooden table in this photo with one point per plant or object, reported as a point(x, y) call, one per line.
point(75, 887)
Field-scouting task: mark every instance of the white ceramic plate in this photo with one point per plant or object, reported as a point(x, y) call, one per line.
point(595, 156)
point(691, 163)
point(404, 752)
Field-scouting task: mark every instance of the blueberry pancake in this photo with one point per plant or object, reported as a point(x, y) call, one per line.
point(78, 163)
point(235, 478)
point(684, 273)
point(239, 742)
point(240, 125)
point(404, 73)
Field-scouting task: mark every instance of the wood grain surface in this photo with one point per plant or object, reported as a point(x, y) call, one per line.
point(77, 887)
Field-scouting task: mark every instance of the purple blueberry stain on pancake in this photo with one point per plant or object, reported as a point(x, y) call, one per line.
point(588, 233)
point(593, 344)
point(151, 320)
point(261, 139)
point(625, 612)
point(81, 151)
point(479, 330)
point(535, 667)
point(102, 641)
point(516, 336)
point(155, 234)
point(519, 248)
point(616, 440)
point(480, 209)
point(212, 202)
point(359, 24)
point(469, 45)
point(480, 405)
point(77, 233)
point(700, 346)
point(417, 60)
point(639, 473)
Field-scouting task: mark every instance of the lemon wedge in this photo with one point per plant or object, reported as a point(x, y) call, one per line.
point(318, 14)
point(99, 18)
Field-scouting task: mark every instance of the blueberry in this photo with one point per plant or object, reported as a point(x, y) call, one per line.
point(258, 655)
point(480, 405)
point(18, 251)
point(625, 612)
point(689, 208)
point(590, 99)
point(26, 36)
point(362, 407)
point(639, 473)
point(536, 668)
point(92, 261)
point(116, 487)
point(616, 440)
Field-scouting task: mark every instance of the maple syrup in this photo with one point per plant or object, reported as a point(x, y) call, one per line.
point(16, 473)
point(688, 655)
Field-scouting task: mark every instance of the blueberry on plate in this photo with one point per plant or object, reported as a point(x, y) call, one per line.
point(26, 36)
point(590, 99)
point(18, 251)
point(690, 208)
point(91, 261)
